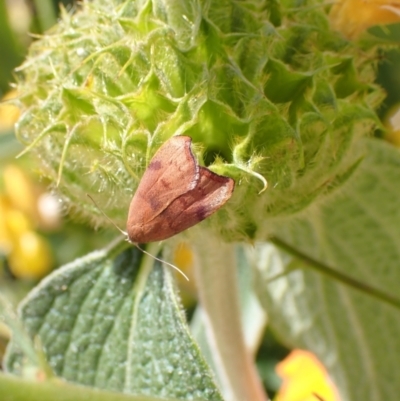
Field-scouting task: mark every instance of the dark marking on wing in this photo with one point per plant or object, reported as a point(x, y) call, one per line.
point(155, 165)
point(165, 183)
point(201, 212)
point(154, 203)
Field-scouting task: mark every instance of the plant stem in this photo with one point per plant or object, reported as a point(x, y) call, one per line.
point(218, 292)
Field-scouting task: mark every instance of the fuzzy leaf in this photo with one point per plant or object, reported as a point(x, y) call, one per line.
point(356, 232)
point(112, 321)
point(283, 85)
point(16, 389)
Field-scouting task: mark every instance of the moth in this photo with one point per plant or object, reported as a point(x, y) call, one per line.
point(175, 193)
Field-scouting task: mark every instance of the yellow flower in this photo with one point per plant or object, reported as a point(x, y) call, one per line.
point(5, 240)
point(28, 253)
point(20, 190)
point(9, 113)
point(392, 123)
point(31, 256)
point(183, 258)
point(304, 379)
point(352, 17)
point(40, 207)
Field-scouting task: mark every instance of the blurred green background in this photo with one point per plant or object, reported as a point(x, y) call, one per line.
point(35, 235)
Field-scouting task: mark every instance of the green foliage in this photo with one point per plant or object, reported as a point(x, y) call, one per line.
point(14, 389)
point(10, 50)
point(356, 232)
point(106, 323)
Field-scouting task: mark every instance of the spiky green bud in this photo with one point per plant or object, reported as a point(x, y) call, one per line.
point(268, 92)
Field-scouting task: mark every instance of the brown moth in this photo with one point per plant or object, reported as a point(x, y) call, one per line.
point(175, 193)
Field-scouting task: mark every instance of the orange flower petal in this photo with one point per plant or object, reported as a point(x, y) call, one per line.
point(351, 17)
point(304, 379)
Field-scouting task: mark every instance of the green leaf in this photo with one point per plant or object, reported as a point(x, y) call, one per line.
point(283, 85)
point(384, 34)
point(45, 13)
point(16, 389)
point(79, 101)
point(348, 81)
point(356, 232)
point(112, 320)
point(11, 50)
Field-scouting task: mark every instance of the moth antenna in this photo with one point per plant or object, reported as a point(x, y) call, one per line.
point(163, 261)
point(137, 245)
point(102, 212)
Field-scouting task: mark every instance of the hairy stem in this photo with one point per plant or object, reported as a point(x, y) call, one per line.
point(218, 291)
